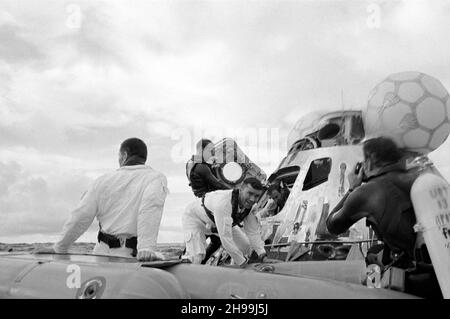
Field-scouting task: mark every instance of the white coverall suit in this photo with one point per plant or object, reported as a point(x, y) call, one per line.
point(238, 242)
point(127, 202)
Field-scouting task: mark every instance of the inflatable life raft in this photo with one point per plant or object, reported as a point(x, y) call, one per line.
point(88, 277)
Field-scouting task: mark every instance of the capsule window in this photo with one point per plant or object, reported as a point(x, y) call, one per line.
point(287, 175)
point(318, 173)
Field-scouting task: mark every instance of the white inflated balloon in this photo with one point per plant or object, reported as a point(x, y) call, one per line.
point(410, 107)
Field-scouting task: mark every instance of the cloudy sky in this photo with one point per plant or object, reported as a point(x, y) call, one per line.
point(78, 77)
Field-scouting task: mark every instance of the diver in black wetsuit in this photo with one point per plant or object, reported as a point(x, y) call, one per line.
point(199, 170)
point(202, 180)
point(384, 200)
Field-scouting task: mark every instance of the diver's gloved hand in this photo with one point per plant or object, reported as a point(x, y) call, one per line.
point(355, 179)
point(149, 255)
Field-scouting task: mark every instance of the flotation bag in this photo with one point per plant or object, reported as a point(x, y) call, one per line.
point(430, 195)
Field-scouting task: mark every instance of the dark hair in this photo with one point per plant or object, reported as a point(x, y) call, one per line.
point(203, 143)
point(274, 187)
point(382, 150)
point(134, 146)
point(254, 182)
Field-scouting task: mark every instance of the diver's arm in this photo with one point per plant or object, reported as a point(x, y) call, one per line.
point(80, 220)
point(224, 224)
point(150, 214)
point(355, 181)
point(349, 210)
point(205, 172)
point(341, 203)
point(252, 229)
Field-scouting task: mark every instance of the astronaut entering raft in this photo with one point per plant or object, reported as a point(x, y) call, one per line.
point(230, 211)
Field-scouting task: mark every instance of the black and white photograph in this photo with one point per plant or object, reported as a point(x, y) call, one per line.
point(201, 150)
